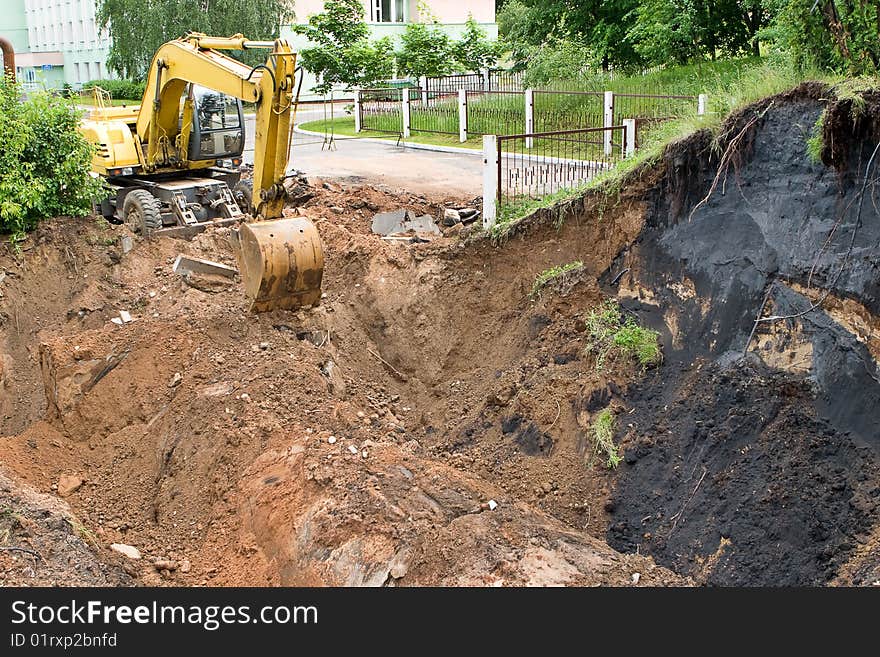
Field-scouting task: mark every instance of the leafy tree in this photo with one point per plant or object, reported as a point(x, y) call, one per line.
point(138, 28)
point(558, 59)
point(342, 52)
point(44, 160)
point(474, 52)
point(832, 34)
point(425, 51)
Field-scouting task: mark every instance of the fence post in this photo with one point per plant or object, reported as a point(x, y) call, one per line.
point(404, 112)
point(490, 180)
point(487, 80)
point(358, 108)
point(530, 116)
point(423, 83)
point(608, 121)
point(629, 137)
point(462, 116)
point(701, 104)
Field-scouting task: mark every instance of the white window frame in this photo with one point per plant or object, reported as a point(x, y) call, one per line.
point(397, 8)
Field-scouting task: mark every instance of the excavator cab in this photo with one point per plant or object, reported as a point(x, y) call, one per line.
point(217, 127)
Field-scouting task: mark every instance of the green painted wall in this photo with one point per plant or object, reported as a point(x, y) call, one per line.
point(13, 24)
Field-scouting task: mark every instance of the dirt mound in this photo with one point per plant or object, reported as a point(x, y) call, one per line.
point(165, 418)
point(365, 513)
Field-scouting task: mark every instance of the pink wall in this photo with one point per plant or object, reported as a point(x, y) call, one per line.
point(456, 11)
point(446, 11)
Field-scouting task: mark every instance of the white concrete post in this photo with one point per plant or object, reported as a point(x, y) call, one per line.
point(405, 113)
point(462, 116)
point(608, 121)
point(490, 180)
point(701, 104)
point(423, 83)
point(530, 116)
point(487, 80)
point(357, 110)
point(629, 142)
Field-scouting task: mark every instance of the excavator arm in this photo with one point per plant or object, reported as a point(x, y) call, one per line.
point(281, 260)
point(196, 59)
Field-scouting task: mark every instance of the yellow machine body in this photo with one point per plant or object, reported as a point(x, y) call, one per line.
point(146, 155)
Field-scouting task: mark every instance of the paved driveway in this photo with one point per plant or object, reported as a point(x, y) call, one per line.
point(424, 172)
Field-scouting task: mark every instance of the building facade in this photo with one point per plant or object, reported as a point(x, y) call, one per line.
point(389, 18)
point(57, 42)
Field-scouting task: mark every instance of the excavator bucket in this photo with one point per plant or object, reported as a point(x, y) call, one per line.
point(281, 263)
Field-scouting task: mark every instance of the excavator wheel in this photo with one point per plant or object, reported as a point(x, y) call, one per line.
point(281, 263)
point(142, 211)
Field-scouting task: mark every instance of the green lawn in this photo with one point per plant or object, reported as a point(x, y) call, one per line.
point(344, 127)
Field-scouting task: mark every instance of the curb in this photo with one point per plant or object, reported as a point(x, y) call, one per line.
point(404, 144)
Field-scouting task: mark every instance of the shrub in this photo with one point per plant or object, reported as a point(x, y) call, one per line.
point(119, 89)
point(44, 160)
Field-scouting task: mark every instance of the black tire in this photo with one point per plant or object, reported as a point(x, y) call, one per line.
point(243, 193)
point(142, 211)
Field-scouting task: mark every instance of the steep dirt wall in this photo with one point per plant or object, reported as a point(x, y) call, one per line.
point(753, 454)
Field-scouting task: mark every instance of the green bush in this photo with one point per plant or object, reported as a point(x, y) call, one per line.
point(44, 160)
point(119, 89)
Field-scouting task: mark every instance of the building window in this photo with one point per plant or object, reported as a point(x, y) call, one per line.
point(388, 11)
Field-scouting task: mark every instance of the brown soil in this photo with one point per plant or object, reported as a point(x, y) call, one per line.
point(201, 432)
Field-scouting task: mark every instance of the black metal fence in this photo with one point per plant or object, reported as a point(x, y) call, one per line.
point(539, 165)
point(495, 112)
point(450, 84)
point(434, 112)
point(567, 110)
point(379, 110)
point(652, 106)
point(500, 80)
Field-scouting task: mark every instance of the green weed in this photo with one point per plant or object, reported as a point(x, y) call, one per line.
point(607, 333)
point(603, 438)
point(549, 275)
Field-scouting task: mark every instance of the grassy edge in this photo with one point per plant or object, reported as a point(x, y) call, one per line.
point(753, 85)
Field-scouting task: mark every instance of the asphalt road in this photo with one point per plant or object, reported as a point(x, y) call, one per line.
point(357, 161)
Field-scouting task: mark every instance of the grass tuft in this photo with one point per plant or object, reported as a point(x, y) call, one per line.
point(603, 438)
point(608, 334)
point(549, 275)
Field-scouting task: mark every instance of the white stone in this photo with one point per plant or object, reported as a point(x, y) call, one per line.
point(127, 550)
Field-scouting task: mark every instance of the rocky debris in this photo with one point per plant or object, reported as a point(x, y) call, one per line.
point(455, 216)
point(68, 484)
point(451, 217)
point(185, 265)
point(425, 527)
point(126, 550)
point(176, 380)
point(401, 222)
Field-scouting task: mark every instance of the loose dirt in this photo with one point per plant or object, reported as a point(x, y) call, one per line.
point(430, 422)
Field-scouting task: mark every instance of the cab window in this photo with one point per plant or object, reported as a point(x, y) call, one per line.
point(218, 131)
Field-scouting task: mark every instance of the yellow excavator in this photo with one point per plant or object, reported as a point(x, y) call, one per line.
point(172, 163)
